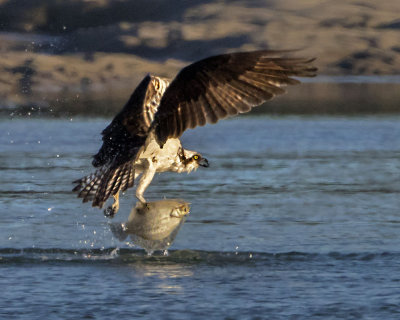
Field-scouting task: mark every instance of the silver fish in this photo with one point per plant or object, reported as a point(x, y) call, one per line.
point(153, 225)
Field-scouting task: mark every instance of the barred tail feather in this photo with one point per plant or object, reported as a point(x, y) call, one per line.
point(130, 180)
point(98, 186)
point(87, 186)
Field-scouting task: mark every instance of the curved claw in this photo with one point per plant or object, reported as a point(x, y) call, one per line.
point(142, 207)
point(113, 209)
point(141, 199)
point(110, 212)
point(142, 202)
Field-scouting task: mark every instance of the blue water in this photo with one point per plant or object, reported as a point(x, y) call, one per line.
point(296, 218)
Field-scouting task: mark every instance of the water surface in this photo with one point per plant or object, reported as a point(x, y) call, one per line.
point(296, 218)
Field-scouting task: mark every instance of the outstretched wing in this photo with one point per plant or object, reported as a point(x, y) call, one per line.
point(225, 85)
point(126, 134)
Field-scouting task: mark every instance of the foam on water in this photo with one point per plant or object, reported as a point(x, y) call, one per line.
point(130, 255)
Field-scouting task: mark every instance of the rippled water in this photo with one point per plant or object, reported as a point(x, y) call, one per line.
point(296, 218)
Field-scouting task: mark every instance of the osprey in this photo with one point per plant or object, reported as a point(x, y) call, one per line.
point(143, 138)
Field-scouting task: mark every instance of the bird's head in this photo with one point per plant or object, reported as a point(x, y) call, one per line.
point(194, 160)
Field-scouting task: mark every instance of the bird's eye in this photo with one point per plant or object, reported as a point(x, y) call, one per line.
point(196, 157)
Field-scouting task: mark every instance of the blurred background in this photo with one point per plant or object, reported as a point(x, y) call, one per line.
point(86, 56)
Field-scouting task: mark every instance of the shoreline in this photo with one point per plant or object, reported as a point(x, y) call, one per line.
point(307, 98)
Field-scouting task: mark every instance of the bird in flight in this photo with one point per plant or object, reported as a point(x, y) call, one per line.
point(143, 138)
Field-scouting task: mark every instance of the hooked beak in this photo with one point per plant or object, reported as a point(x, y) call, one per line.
point(204, 163)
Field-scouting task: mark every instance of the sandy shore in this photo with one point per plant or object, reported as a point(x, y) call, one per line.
point(52, 53)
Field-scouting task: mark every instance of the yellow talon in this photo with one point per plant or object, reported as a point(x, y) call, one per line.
point(113, 209)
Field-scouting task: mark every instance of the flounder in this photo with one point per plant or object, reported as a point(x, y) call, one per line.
point(153, 225)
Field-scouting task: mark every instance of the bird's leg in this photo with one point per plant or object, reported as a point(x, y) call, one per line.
point(115, 205)
point(145, 180)
point(113, 209)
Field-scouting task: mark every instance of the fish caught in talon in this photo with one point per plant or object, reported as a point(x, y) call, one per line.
point(154, 226)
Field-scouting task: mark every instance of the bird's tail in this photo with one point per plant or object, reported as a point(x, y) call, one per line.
point(98, 186)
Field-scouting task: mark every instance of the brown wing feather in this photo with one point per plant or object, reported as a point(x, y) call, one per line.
point(224, 85)
point(123, 137)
